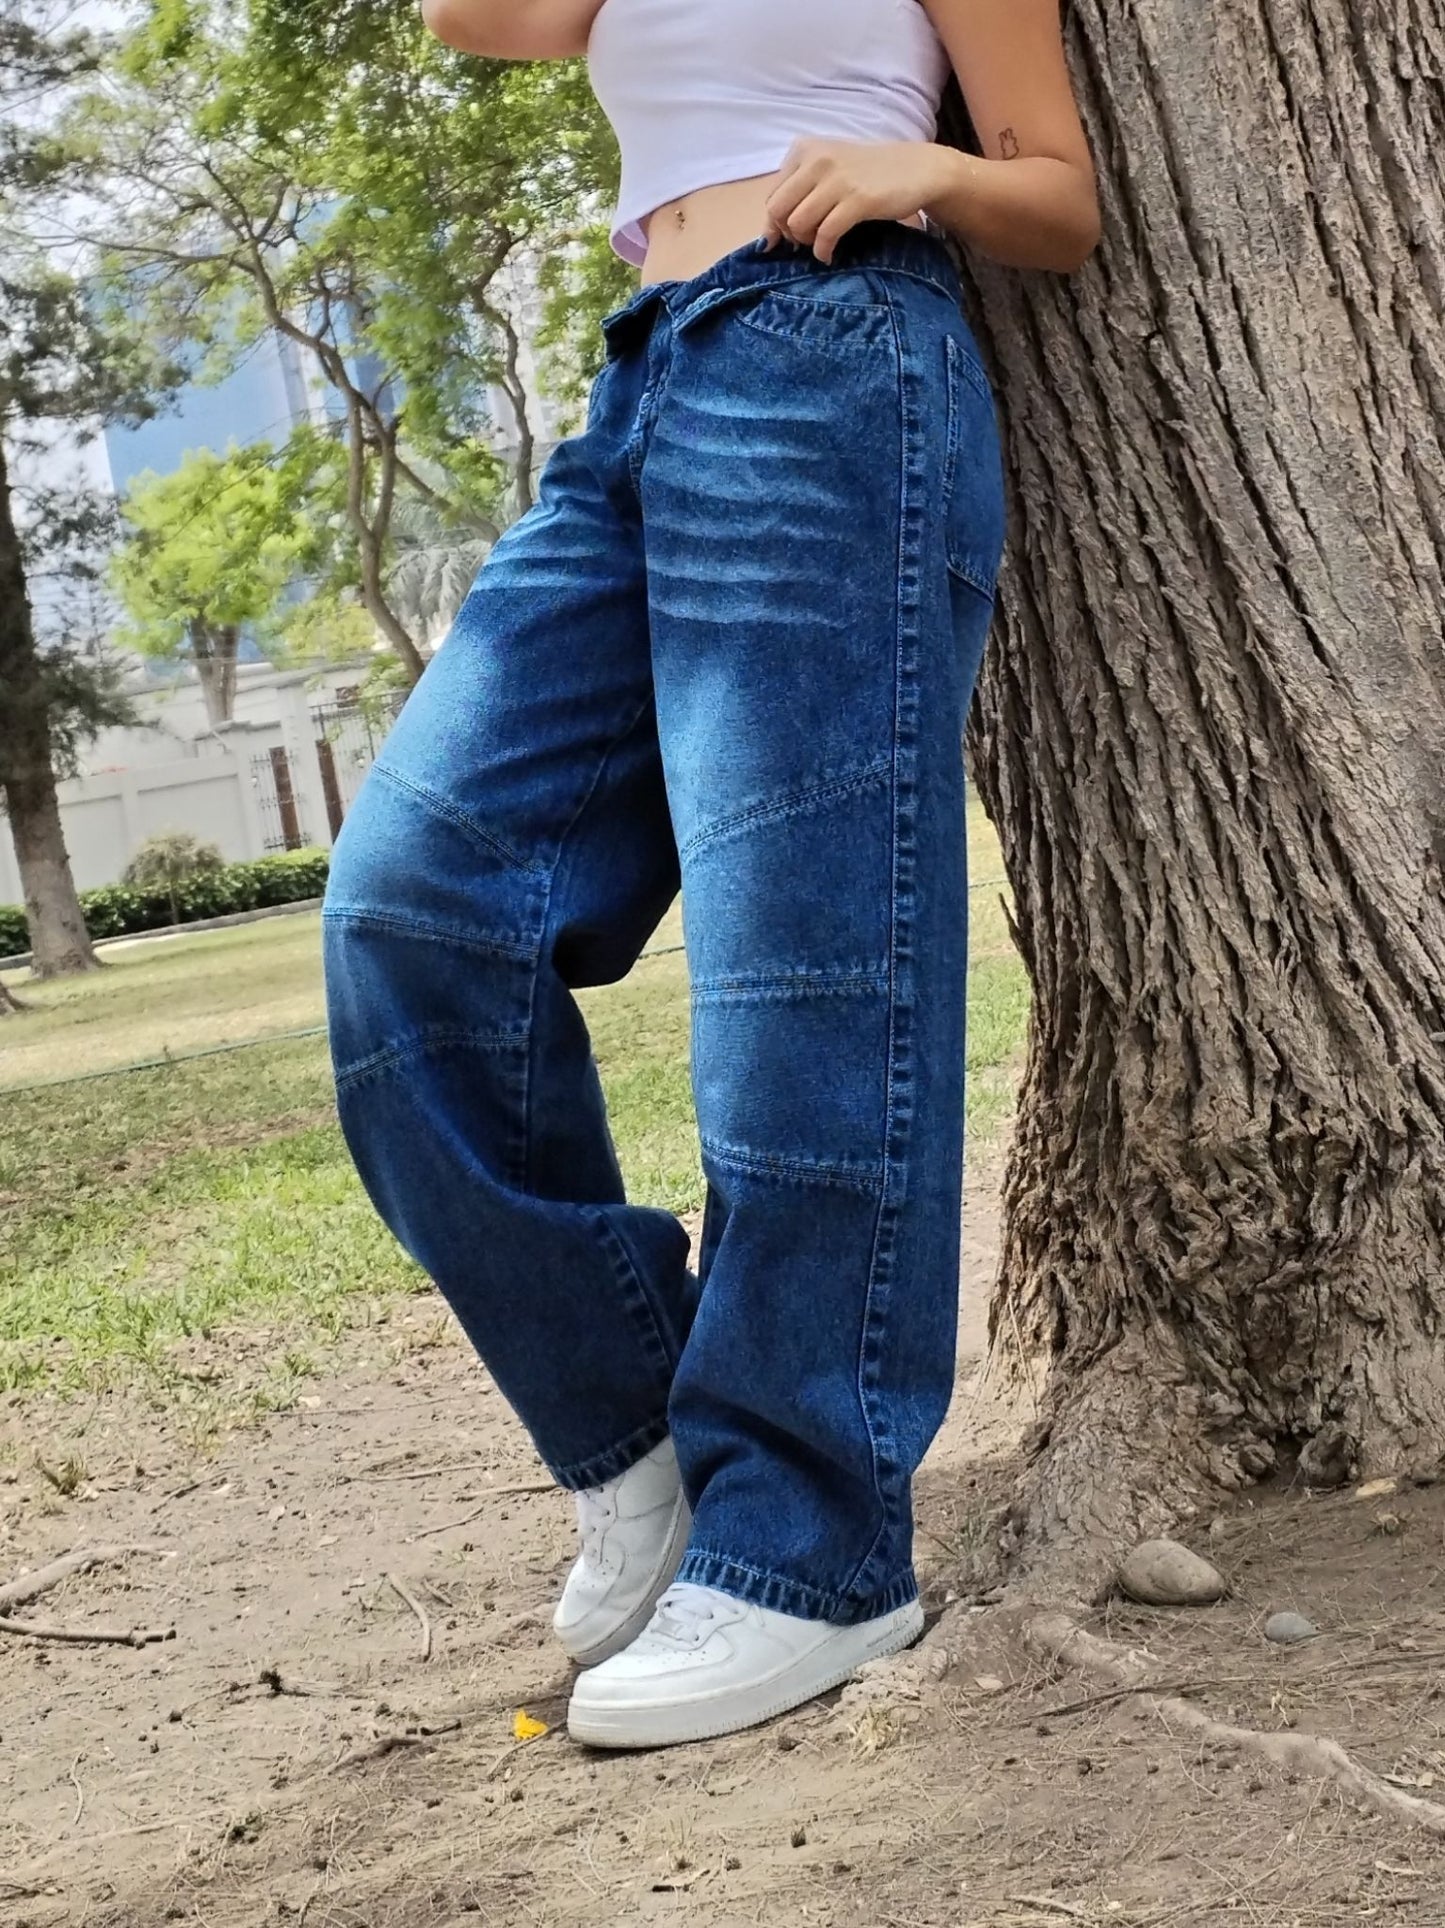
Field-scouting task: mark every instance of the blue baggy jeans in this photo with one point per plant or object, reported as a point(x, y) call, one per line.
point(731, 648)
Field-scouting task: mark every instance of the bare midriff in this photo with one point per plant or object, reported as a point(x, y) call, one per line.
point(686, 236)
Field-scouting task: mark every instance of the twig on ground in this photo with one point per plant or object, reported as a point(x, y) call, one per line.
point(30, 1586)
point(79, 1792)
point(1047, 1906)
point(377, 1750)
point(1056, 1637)
point(425, 1532)
point(1123, 1693)
point(508, 1753)
point(400, 1588)
point(88, 1636)
point(413, 1472)
point(496, 1493)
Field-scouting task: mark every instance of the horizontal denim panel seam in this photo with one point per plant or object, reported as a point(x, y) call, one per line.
point(789, 986)
point(436, 1037)
point(397, 926)
point(441, 807)
point(795, 803)
point(867, 1179)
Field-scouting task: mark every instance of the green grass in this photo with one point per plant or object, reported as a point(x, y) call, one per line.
point(195, 1229)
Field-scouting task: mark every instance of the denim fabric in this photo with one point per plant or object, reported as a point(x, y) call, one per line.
point(732, 647)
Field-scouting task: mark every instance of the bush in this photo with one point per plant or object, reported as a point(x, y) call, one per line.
point(14, 931)
point(121, 910)
point(165, 861)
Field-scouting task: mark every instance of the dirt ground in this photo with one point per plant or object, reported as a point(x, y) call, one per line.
point(291, 1756)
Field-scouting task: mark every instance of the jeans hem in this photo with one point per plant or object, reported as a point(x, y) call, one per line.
point(781, 1594)
point(614, 1462)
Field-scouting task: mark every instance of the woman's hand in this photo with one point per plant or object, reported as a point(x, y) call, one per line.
point(825, 188)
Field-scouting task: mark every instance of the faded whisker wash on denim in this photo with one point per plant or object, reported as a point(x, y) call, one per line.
point(731, 648)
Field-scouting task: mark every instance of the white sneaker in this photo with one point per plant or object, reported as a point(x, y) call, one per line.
point(709, 1664)
point(634, 1534)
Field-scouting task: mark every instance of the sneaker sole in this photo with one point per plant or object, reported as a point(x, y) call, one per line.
point(706, 1717)
point(627, 1630)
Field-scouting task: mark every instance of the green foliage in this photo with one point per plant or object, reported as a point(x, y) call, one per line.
point(581, 285)
point(379, 200)
point(14, 931)
point(221, 541)
point(124, 909)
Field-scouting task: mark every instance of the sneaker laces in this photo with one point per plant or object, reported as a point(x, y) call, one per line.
point(596, 1512)
point(684, 1613)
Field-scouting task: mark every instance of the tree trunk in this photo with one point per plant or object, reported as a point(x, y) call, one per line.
point(1212, 736)
point(59, 941)
point(214, 647)
point(9, 1003)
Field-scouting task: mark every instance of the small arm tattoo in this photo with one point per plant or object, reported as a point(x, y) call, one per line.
point(1008, 143)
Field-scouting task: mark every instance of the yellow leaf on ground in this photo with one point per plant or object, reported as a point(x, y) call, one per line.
point(524, 1728)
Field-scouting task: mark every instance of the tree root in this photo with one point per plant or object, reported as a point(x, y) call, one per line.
point(30, 1586)
point(1055, 1637)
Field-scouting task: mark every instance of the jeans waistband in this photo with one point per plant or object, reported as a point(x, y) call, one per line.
point(879, 246)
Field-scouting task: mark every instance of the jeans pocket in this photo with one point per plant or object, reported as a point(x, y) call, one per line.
point(973, 495)
point(841, 312)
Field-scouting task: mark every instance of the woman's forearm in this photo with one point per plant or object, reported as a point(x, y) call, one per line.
point(1032, 212)
point(513, 29)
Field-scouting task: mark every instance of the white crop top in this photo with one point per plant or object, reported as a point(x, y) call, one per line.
point(705, 91)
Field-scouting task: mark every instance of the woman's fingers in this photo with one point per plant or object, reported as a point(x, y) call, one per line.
point(831, 229)
point(810, 214)
point(814, 203)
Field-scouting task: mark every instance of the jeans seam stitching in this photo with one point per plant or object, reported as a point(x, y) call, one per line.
point(450, 814)
point(517, 953)
point(865, 1403)
point(454, 1036)
point(855, 1177)
point(787, 986)
point(791, 805)
point(568, 1473)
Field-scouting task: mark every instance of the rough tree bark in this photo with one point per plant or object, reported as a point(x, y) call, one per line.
point(1212, 736)
point(58, 937)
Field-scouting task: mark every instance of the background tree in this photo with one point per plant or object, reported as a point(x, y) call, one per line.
point(217, 548)
point(58, 369)
point(1212, 736)
point(380, 210)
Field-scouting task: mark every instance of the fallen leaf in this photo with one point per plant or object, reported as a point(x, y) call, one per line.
point(525, 1728)
point(1376, 1489)
point(988, 1683)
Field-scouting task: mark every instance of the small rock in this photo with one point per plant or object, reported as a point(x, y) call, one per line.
point(1376, 1489)
point(1287, 1629)
point(799, 1837)
point(1161, 1573)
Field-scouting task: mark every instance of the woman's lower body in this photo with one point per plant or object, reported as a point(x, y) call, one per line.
point(732, 648)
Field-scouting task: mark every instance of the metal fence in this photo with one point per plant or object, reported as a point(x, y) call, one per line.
point(276, 795)
point(348, 737)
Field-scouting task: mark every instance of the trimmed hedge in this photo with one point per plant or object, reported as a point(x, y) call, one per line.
point(116, 910)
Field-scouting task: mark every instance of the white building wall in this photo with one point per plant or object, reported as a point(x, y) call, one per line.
point(179, 774)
